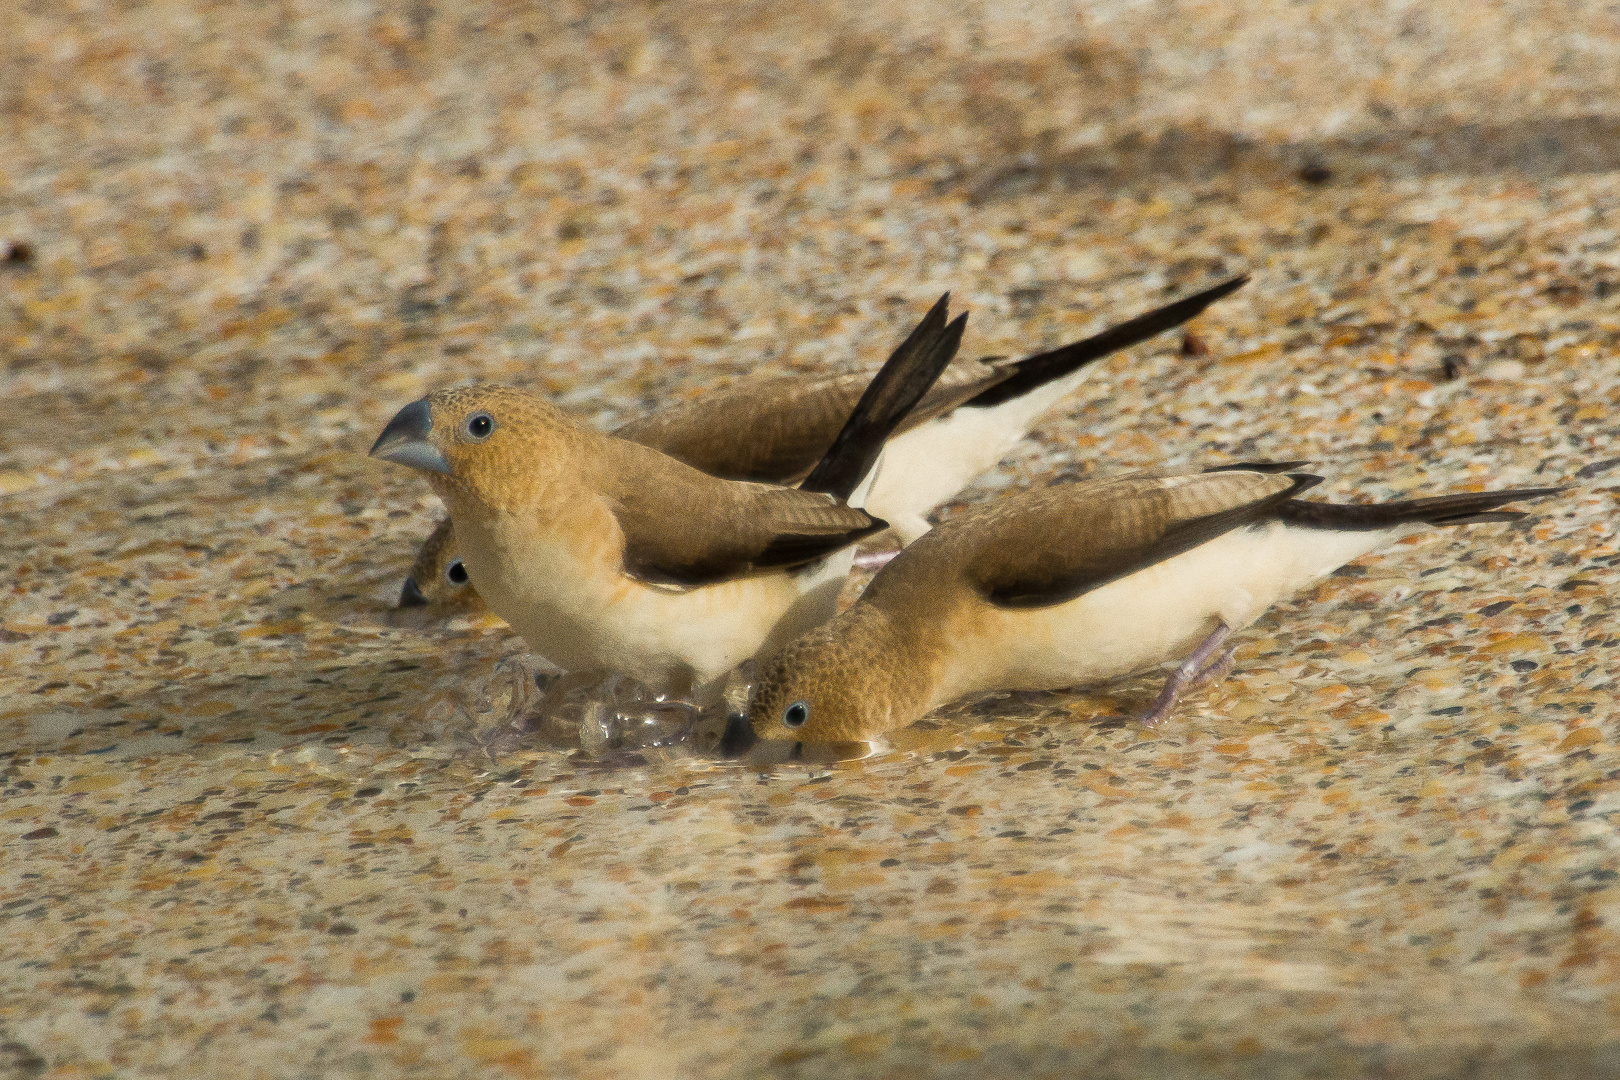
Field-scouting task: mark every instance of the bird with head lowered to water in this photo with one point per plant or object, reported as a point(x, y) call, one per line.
point(1075, 583)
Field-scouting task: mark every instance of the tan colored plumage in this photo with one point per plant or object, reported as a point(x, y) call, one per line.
point(605, 554)
point(608, 556)
point(789, 423)
point(774, 430)
point(1069, 584)
point(438, 576)
point(790, 420)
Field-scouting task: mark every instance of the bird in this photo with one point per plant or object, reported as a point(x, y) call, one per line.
point(609, 556)
point(969, 420)
point(1074, 583)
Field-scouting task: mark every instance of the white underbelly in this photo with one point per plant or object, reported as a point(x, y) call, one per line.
point(1157, 614)
point(583, 619)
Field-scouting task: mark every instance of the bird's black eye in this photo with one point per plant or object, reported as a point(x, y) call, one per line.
point(456, 573)
point(796, 714)
point(479, 425)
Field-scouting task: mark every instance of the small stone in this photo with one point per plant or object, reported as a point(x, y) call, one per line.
point(1504, 370)
point(16, 252)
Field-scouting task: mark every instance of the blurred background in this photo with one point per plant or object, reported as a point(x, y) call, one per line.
point(266, 199)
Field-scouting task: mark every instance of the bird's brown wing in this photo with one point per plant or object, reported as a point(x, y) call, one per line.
point(683, 527)
point(825, 430)
point(1054, 544)
point(792, 420)
point(770, 430)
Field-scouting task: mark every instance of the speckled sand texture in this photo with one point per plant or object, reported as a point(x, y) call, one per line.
point(250, 824)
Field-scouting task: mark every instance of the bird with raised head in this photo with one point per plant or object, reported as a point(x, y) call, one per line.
point(606, 555)
point(773, 429)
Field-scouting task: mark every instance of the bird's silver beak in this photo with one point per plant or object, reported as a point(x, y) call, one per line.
point(739, 737)
point(404, 440)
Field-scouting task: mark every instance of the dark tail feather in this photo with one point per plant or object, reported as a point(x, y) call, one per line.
point(1038, 370)
point(1259, 466)
point(899, 384)
point(1464, 509)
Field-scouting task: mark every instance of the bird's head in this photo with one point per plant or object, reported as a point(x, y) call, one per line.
point(490, 443)
point(438, 578)
point(832, 685)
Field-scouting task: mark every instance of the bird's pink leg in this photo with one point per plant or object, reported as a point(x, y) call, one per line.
point(1218, 669)
point(1202, 665)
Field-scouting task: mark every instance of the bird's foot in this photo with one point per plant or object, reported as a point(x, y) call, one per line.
point(1204, 666)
